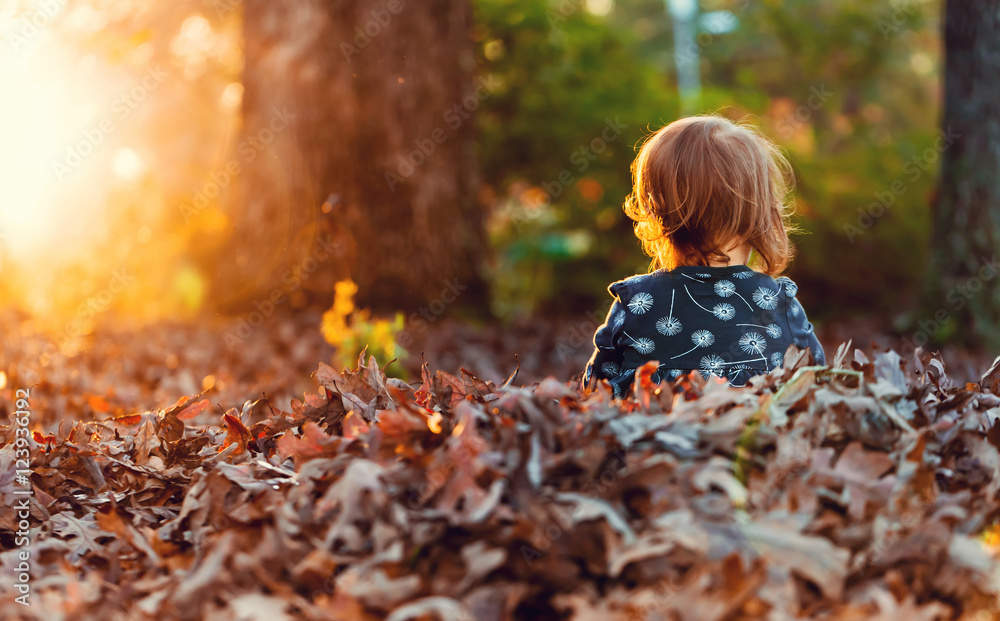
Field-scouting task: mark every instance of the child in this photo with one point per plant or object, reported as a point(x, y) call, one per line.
point(708, 194)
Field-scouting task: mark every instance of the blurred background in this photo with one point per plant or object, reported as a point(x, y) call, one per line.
point(459, 166)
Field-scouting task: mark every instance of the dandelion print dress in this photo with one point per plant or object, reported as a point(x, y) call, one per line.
point(731, 322)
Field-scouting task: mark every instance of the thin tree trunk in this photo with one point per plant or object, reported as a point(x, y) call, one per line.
point(964, 278)
point(371, 87)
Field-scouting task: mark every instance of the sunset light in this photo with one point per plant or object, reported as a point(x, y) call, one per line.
point(87, 120)
point(490, 310)
point(34, 120)
point(50, 145)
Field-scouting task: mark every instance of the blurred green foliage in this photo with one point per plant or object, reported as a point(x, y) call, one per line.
point(850, 89)
point(573, 84)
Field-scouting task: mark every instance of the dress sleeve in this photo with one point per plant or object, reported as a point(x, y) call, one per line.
point(606, 361)
point(803, 334)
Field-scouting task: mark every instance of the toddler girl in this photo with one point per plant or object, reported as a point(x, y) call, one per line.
point(708, 194)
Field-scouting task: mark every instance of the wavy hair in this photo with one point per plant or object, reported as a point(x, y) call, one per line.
point(703, 185)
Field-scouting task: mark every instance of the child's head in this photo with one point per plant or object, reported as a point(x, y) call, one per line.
point(704, 185)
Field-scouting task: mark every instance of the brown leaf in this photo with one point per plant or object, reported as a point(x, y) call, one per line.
point(313, 443)
point(237, 433)
point(145, 441)
point(814, 558)
point(859, 474)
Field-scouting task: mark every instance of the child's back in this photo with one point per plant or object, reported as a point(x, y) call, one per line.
point(708, 195)
point(728, 321)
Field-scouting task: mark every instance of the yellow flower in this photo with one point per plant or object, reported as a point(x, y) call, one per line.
point(351, 330)
point(991, 537)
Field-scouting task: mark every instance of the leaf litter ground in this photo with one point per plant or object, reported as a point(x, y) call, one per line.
point(865, 490)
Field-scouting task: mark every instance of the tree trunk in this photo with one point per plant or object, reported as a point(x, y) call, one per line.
point(358, 127)
point(965, 285)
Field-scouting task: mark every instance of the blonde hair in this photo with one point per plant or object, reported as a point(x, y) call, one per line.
point(704, 181)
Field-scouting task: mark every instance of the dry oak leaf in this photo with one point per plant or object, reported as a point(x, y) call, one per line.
point(237, 433)
point(313, 443)
point(860, 474)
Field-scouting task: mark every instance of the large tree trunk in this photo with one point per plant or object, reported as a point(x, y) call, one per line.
point(369, 83)
point(966, 241)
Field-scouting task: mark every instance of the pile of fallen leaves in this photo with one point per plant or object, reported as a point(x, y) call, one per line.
point(127, 366)
point(867, 489)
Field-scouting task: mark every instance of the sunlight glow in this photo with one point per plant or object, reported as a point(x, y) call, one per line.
point(128, 164)
point(922, 63)
point(600, 7)
point(47, 132)
point(31, 131)
point(232, 96)
point(194, 44)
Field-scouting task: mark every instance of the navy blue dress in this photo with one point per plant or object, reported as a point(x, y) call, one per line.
point(732, 322)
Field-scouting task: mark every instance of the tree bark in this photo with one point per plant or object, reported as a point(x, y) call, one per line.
point(964, 283)
point(375, 154)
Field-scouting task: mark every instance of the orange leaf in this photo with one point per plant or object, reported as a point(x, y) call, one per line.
point(434, 422)
point(354, 426)
point(645, 375)
point(98, 403)
point(46, 440)
point(421, 396)
point(398, 423)
point(259, 430)
point(128, 419)
point(644, 382)
point(194, 410)
point(314, 401)
point(313, 443)
point(238, 433)
point(108, 519)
